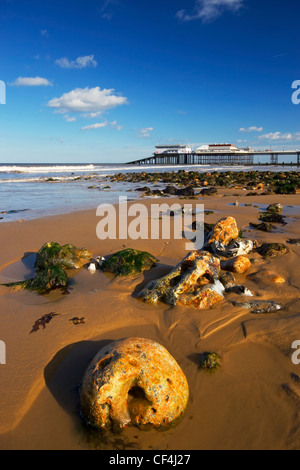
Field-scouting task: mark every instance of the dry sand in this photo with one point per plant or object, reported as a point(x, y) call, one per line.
point(251, 402)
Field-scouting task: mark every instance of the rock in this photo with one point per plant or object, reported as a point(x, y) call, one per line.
point(227, 280)
point(170, 190)
point(277, 279)
point(238, 247)
point(204, 298)
point(208, 191)
point(128, 262)
point(184, 284)
point(276, 207)
point(225, 231)
point(133, 382)
point(67, 256)
point(271, 250)
point(239, 264)
point(259, 306)
point(294, 241)
point(263, 227)
point(240, 290)
point(188, 191)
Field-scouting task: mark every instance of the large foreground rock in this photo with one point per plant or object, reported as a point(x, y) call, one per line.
point(134, 381)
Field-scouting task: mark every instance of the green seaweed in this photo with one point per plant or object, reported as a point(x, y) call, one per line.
point(128, 262)
point(52, 277)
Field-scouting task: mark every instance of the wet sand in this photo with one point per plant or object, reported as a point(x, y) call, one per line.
point(250, 402)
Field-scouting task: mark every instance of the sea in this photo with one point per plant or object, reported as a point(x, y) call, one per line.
point(32, 191)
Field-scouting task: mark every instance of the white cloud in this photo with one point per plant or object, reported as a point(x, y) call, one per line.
point(31, 81)
point(279, 136)
point(252, 129)
point(79, 63)
point(146, 132)
point(116, 126)
point(87, 100)
point(69, 118)
point(98, 125)
point(44, 33)
point(209, 10)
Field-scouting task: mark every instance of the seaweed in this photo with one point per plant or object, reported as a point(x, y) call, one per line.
point(42, 322)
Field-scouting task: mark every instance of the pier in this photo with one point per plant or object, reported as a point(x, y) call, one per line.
point(245, 158)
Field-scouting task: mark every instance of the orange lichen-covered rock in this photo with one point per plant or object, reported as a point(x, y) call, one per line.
point(136, 382)
point(224, 231)
point(184, 284)
point(239, 264)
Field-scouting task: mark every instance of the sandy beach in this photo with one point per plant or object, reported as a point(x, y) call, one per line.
point(250, 402)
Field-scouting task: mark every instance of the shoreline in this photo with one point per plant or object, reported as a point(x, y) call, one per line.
point(45, 361)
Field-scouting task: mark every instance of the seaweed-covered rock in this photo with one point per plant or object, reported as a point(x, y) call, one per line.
point(239, 264)
point(66, 256)
point(209, 361)
point(271, 250)
point(263, 227)
point(225, 231)
point(272, 217)
point(50, 278)
point(51, 262)
point(133, 382)
point(276, 207)
point(128, 262)
point(208, 192)
point(193, 282)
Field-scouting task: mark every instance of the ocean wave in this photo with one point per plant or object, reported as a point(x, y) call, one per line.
point(46, 168)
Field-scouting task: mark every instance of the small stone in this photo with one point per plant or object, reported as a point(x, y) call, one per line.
point(259, 306)
point(239, 264)
point(133, 382)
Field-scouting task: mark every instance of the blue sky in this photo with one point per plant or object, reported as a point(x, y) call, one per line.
point(107, 80)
